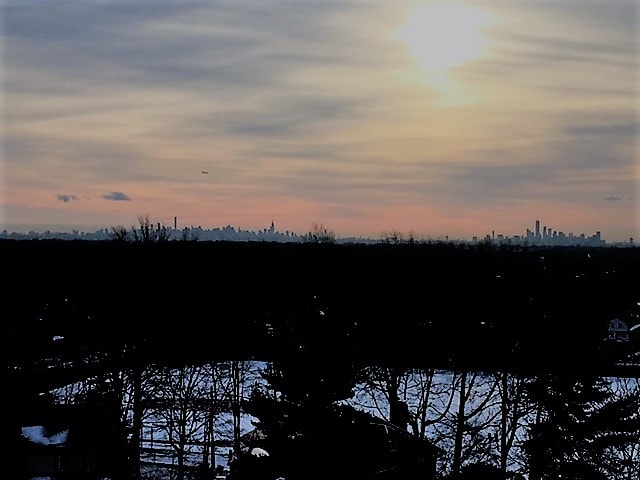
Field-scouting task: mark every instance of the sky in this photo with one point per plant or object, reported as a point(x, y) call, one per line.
point(366, 116)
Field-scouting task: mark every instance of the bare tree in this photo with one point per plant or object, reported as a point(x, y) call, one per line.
point(393, 237)
point(319, 234)
point(146, 232)
point(396, 237)
point(119, 233)
point(236, 398)
point(179, 401)
point(381, 389)
point(467, 425)
point(216, 406)
point(515, 411)
point(227, 383)
point(196, 407)
point(457, 411)
point(431, 399)
point(427, 393)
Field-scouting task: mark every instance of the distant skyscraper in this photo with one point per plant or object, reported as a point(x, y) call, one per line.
point(537, 228)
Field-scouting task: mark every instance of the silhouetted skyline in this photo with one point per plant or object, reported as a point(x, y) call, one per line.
point(540, 236)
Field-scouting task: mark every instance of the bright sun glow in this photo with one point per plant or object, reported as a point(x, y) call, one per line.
point(442, 36)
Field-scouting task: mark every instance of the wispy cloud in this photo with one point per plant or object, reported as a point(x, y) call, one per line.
point(67, 198)
point(612, 198)
point(608, 130)
point(117, 196)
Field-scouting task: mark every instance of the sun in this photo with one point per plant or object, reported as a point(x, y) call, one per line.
point(444, 35)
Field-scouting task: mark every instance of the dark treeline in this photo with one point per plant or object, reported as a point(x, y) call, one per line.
point(423, 305)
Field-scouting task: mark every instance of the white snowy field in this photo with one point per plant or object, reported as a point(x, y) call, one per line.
point(194, 412)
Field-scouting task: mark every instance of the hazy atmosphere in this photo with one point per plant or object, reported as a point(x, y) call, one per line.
point(442, 119)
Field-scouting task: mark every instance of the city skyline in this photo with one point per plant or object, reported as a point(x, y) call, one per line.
point(545, 236)
point(439, 118)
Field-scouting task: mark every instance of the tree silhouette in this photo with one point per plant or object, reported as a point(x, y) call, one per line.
point(146, 232)
point(298, 408)
point(319, 234)
point(579, 427)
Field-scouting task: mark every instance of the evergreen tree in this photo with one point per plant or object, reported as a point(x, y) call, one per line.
point(299, 416)
point(578, 427)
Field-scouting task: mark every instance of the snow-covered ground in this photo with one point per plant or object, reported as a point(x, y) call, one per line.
point(187, 397)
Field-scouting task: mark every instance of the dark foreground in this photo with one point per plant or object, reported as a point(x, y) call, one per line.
point(130, 322)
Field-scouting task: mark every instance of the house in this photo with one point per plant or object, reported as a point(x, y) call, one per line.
point(618, 331)
point(622, 342)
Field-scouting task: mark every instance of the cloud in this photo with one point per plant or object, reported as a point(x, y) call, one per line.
point(67, 198)
point(612, 129)
point(612, 198)
point(293, 114)
point(189, 46)
point(502, 181)
point(117, 196)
